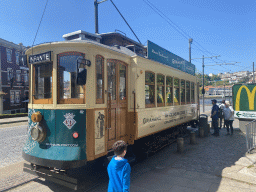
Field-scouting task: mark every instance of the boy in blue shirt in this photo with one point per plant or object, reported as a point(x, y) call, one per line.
point(119, 169)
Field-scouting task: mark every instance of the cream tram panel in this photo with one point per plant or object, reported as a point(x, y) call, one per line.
point(156, 119)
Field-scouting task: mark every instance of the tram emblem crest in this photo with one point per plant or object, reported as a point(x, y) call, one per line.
point(69, 121)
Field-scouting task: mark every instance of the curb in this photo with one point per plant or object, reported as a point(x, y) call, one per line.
point(2, 123)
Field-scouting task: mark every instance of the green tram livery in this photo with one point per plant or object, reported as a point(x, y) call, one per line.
point(94, 89)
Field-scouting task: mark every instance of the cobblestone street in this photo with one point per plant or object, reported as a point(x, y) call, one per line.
point(12, 140)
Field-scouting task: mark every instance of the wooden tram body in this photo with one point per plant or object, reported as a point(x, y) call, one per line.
point(126, 96)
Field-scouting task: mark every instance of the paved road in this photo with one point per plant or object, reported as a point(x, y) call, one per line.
point(12, 140)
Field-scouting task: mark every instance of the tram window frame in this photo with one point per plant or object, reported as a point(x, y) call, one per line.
point(192, 92)
point(176, 86)
point(152, 83)
point(171, 90)
point(188, 94)
point(163, 88)
point(45, 100)
point(99, 100)
point(182, 91)
point(69, 100)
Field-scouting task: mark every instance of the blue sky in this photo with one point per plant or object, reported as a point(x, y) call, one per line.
point(225, 28)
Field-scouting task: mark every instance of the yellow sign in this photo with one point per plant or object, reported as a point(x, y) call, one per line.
point(250, 95)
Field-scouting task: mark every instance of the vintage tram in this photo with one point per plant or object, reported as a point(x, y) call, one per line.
point(94, 89)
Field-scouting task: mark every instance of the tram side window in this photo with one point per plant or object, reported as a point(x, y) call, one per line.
point(112, 78)
point(182, 92)
point(122, 81)
point(188, 92)
point(176, 91)
point(149, 89)
point(169, 84)
point(192, 92)
point(67, 76)
point(160, 90)
point(99, 79)
point(43, 81)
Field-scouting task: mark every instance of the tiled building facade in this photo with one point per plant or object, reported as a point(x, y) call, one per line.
point(14, 78)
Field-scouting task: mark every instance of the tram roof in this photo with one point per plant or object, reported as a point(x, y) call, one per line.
point(119, 49)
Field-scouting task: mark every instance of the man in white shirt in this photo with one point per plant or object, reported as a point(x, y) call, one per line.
point(228, 117)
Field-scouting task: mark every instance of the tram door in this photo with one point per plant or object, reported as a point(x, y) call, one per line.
point(117, 101)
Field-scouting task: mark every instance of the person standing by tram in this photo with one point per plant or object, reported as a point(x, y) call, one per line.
point(228, 117)
point(119, 169)
point(214, 116)
point(222, 106)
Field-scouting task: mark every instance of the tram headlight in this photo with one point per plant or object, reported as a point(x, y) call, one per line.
point(36, 117)
point(38, 133)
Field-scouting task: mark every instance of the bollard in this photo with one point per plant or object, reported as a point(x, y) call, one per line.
point(180, 144)
point(201, 132)
point(208, 128)
point(193, 138)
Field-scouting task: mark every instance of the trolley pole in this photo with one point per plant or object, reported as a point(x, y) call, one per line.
point(96, 14)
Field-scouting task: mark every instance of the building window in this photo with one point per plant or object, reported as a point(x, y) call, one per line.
point(9, 54)
point(9, 74)
point(149, 89)
point(18, 73)
point(192, 92)
point(160, 90)
point(17, 55)
point(68, 90)
point(25, 76)
point(17, 97)
point(99, 79)
point(182, 92)
point(12, 97)
point(176, 91)
point(188, 92)
point(169, 93)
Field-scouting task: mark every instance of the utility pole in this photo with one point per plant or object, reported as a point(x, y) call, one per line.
point(203, 91)
point(224, 92)
point(96, 14)
point(190, 42)
point(253, 72)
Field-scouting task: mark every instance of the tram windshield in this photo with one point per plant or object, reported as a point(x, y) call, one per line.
point(43, 81)
point(67, 77)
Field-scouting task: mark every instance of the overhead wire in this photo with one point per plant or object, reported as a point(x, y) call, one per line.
point(39, 25)
point(179, 30)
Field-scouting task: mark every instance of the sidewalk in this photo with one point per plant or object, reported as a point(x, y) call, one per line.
point(213, 164)
point(13, 120)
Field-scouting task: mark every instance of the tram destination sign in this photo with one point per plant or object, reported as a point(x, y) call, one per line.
point(161, 55)
point(39, 58)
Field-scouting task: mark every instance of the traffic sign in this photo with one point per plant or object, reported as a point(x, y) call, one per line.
point(245, 114)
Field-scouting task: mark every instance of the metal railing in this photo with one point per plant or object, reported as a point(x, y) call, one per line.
point(250, 135)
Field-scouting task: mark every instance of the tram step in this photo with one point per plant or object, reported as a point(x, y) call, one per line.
point(51, 176)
